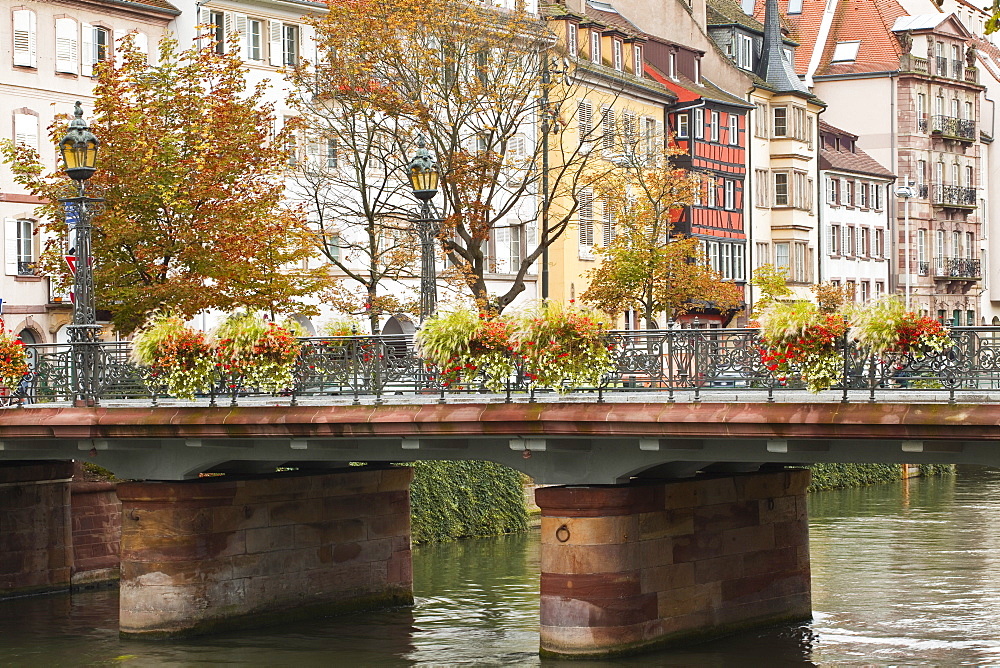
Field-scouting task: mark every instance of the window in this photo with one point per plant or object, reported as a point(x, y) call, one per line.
point(921, 112)
point(834, 240)
point(96, 46)
point(970, 241)
point(67, 58)
point(781, 255)
point(833, 190)
point(650, 134)
point(585, 120)
point(939, 242)
point(879, 289)
point(333, 245)
point(744, 51)
point(331, 153)
point(970, 318)
point(26, 130)
point(637, 60)
point(969, 180)
point(866, 292)
point(864, 249)
point(712, 192)
point(780, 124)
point(25, 255)
point(957, 241)
point(794, 6)
point(217, 20)
point(730, 195)
point(25, 37)
point(608, 129)
point(616, 50)
point(254, 40)
point(781, 189)
point(734, 129)
point(849, 193)
point(682, 125)
point(845, 52)
point(921, 172)
point(760, 120)
point(939, 173)
point(586, 215)
point(672, 64)
point(879, 250)
point(761, 198)
point(699, 123)
point(863, 195)
point(572, 39)
point(968, 112)
point(595, 46)
point(851, 247)
point(289, 45)
point(714, 126)
point(921, 246)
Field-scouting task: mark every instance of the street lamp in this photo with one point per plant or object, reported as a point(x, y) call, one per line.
point(423, 175)
point(79, 153)
point(906, 192)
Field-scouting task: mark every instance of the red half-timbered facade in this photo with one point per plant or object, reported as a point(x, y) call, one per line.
point(710, 128)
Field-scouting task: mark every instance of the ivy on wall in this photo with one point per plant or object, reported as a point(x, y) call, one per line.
point(836, 476)
point(465, 499)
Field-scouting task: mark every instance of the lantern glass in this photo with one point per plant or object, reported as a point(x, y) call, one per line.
point(423, 180)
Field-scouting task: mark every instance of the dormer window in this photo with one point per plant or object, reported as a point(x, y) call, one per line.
point(744, 52)
point(637, 57)
point(595, 46)
point(573, 39)
point(845, 52)
point(673, 66)
point(794, 6)
point(616, 51)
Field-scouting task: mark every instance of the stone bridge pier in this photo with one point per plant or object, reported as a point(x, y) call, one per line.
point(627, 568)
point(209, 554)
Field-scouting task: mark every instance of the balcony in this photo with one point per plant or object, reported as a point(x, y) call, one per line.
point(958, 197)
point(941, 63)
point(954, 128)
point(922, 191)
point(911, 63)
point(962, 268)
point(972, 75)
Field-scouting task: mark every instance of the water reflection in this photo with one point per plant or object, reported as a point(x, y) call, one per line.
point(902, 574)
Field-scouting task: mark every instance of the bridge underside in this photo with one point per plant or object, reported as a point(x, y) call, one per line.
point(568, 443)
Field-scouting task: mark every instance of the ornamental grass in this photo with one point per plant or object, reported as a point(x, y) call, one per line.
point(260, 353)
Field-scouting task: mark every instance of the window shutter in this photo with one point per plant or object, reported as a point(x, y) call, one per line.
point(142, 43)
point(274, 44)
point(585, 120)
point(609, 223)
point(10, 246)
point(88, 50)
point(241, 25)
point(66, 43)
point(586, 214)
point(119, 35)
point(24, 37)
point(833, 240)
point(307, 37)
point(608, 129)
point(26, 130)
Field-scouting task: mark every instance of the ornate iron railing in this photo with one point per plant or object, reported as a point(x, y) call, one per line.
point(673, 364)
point(950, 126)
point(957, 267)
point(958, 196)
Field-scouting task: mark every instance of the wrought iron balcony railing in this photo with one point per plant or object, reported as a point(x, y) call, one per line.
point(922, 191)
point(954, 196)
point(681, 364)
point(956, 128)
point(923, 268)
point(957, 267)
point(25, 268)
point(941, 66)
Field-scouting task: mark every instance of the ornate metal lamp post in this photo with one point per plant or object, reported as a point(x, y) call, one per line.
point(424, 176)
point(79, 154)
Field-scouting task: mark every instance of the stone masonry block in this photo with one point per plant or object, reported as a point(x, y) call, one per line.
point(590, 530)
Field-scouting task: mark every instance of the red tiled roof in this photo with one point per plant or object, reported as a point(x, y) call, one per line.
point(802, 28)
point(848, 161)
point(156, 4)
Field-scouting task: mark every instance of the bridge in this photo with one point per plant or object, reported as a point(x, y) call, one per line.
point(675, 517)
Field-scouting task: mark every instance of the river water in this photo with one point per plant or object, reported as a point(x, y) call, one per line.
point(903, 574)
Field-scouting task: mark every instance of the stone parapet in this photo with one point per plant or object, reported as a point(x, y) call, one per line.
point(210, 554)
point(629, 568)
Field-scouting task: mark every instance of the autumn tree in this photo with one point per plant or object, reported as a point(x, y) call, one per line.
point(191, 175)
point(646, 267)
point(469, 78)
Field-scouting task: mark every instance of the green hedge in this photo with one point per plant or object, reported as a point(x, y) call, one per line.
point(465, 499)
point(836, 476)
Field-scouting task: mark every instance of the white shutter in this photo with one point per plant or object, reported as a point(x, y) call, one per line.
point(585, 212)
point(241, 24)
point(609, 223)
point(88, 50)
point(24, 37)
point(307, 37)
point(26, 130)
point(117, 45)
point(585, 120)
point(66, 42)
point(205, 18)
point(10, 246)
point(142, 43)
point(274, 43)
